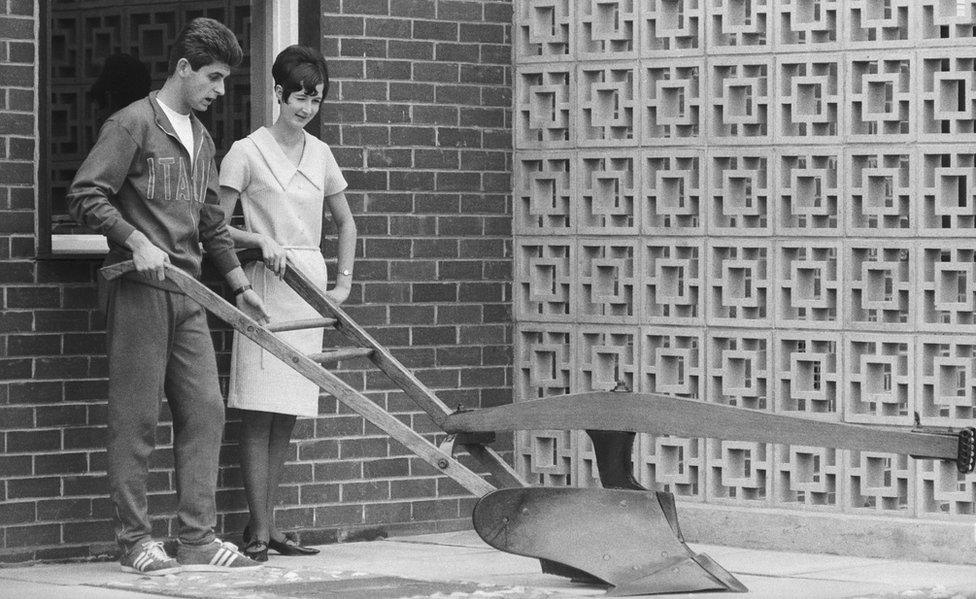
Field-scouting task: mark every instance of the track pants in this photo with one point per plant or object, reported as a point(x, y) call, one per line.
point(159, 344)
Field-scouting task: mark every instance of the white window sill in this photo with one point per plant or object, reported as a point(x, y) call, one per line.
point(78, 245)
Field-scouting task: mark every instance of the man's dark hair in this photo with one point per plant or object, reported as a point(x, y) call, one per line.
point(300, 68)
point(205, 41)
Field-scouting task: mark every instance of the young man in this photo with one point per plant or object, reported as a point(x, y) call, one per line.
point(150, 185)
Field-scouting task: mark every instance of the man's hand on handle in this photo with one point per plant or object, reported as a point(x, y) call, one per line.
point(250, 303)
point(149, 260)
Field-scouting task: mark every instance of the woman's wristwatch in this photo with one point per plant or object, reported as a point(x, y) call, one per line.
point(345, 272)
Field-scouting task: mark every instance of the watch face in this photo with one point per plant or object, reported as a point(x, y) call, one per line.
point(346, 272)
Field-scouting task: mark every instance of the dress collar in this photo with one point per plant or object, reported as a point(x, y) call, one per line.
point(281, 167)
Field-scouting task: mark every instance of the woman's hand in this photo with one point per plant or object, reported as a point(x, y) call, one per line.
point(338, 294)
point(274, 256)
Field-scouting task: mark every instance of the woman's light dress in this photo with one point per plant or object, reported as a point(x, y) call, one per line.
point(284, 202)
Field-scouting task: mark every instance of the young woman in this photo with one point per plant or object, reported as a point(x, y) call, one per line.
point(285, 178)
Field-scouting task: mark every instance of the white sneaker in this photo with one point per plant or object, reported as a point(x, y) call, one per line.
point(216, 556)
point(150, 559)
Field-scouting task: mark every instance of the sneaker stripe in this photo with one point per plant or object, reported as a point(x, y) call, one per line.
point(140, 562)
point(222, 557)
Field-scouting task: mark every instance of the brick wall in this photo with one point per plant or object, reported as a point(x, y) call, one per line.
point(419, 120)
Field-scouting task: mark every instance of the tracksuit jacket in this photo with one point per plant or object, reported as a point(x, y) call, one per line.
point(139, 176)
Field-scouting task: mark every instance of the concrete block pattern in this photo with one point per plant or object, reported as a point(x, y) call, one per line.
point(807, 477)
point(809, 186)
point(675, 464)
point(673, 362)
point(544, 193)
point(608, 193)
point(740, 99)
point(739, 368)
point(608, 285)
point(808, 373)
point(879, 483)
point(673, 26)
point(675, 186)
point(545, 107)
point(946, 92)
point(673, 100)
point(947, 23)
point(544, 30)
point(809, 284)
point(607, 29)
point(739, 472)
point(878, 23)
point(808, 99)
point(608, 108)
point(801, 25)
point(739, 26)
point(672, 281)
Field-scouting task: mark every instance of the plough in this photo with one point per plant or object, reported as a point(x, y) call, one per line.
point(622, 536)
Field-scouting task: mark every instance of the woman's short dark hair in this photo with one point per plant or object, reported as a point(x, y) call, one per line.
point(300, 68)
point(204, 41)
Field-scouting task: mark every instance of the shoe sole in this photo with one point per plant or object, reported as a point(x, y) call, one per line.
point(212, 568)
point(162, 572)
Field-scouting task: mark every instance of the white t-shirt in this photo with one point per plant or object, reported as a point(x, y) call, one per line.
point(182, 126)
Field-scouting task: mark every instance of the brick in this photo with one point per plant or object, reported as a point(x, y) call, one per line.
point(456, 94)
point(413, 225)
point(84, 343)
point(61, 320)
point(436, 115)
point(86, 390)
point(411, 92)
point(34, 440)
point(21, 149)
point(484, 204)
point(363, 448)
point(365, 491)
point(388, 69)
point(36, 392)
point(415, 9)
point(500, 54)
point(413, 136)
point(481, 377)
point(33, 297)
point(442, 335)
point(485, 292)
point(318, 493)
point(339, 515)
point(386, 468)
point(16, 465)
point(440, 509)
point(20, 7)
point(388, 158)
point(16, 124)
point(460, 225)
point(366, 91)
point(458, 181)
point(412, 50)
point(59, 510)
point(371, 48)
point(498, 226)
point(61, 463)
point(65, 271)
point(13, 222)
point(412, 271)
point(17, 29)
point(458, 356)
point(497, 96)
point(387, 513)
point(22, 52)
point(388, 28)
point(497, 182)
point(89, 532)
point(460, 53)
point(21, 488)
point(435, 248)
point(458, 137)
point(412, 180)
point(459, 270)
point(482, 117)
point(49, 416)
point(436, 72)
point(342, 26)
point(11, 369)
point(33, 536)
point(417, 487)
point(483, 74)
point(17, 272)
point(459, 314)
point(498, 12)
point(459, 11)
point(496, 355)
point(338, 471)
point(18, 512)
point(87, 437)
point(482, 32)
point(440, 203)
point(365, 136)
point(435, 30)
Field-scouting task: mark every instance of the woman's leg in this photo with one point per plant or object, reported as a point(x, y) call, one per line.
point(282, 426)
point(256, 468)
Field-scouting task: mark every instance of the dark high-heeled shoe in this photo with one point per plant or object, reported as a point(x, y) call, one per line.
point(291, 547)
point(256, 550)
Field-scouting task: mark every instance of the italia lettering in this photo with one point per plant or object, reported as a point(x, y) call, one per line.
point(187, 185)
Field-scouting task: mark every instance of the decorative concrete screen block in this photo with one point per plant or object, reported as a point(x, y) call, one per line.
point(809, 287)
point(545, 193)
point(544, 30)
point(607, 357)
point(948, 21)
point(879, 482)
point(805, 25)
point(545, 107)
point(673, 361)
point(767, 204)
point(547, 457)
point(947, 191)
point(740, 192)
point(808, 187)
point(544, 360)
point(739, 282)
point(608, 193)
point(740, 25)
point(738, 472)
point(739, 363)
point(807, 477)
point(946, 384)
point(674, 190)
point(739, 99)
point(880, 97)
point(808, 373)
point(947, 93)
point(672, 281)
point(880, 191)
point(808, 99)
point(607, 104)
point(947, 281)
point(671, 26)
point(881, 285)
point(672, 99)
point(879, 379)
point(944, 491)
point(607, 29)
point(608, 286)
point(878, 23)
point(674, 463)
point(544, 278)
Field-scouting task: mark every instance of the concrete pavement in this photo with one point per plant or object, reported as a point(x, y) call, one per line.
point(460, 566)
